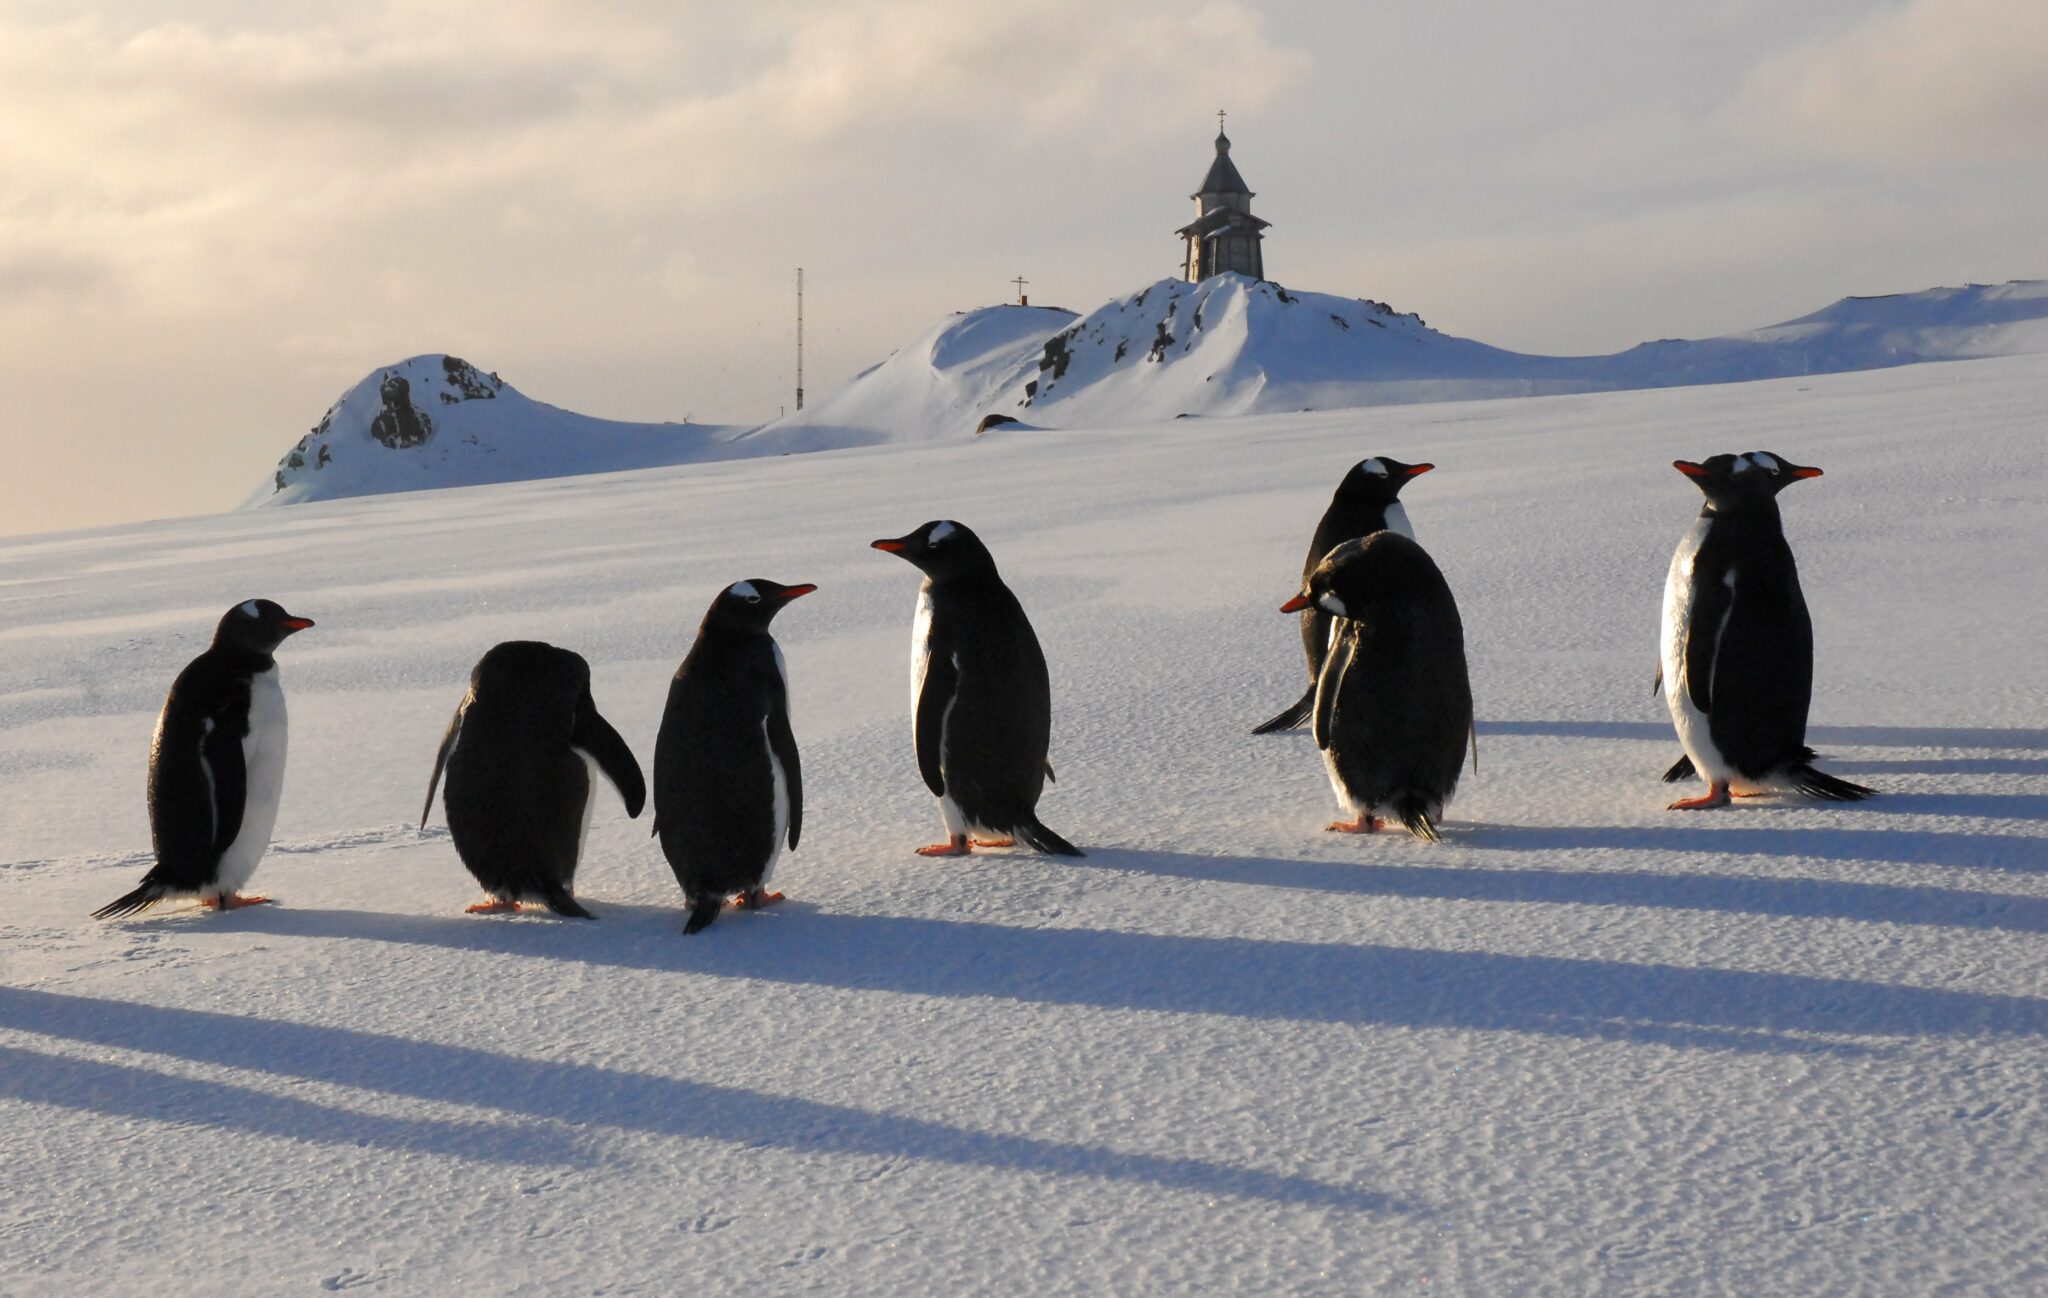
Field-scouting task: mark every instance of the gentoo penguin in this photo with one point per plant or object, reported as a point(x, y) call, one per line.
point(980, 697)
point(1367, 501)
point(1393, 705)
point(216, 765)
point(520, 756)
point(728, 786)
point(1737, 647)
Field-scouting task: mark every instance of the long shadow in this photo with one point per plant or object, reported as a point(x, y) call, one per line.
point(1715, 833)
point(1943, 766)
point(120, 1090)
point(1819, 736)
point(1739, 895)
point(1987, 806)
point(1299, 981)
point(588, 1095)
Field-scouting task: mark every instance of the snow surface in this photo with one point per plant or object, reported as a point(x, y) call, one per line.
point(1584, 1045)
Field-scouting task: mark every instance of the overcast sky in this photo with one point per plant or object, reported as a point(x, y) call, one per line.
point(215, 217)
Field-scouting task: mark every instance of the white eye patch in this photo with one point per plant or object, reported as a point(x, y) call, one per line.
point(1765, 460)
point(941, 533)
point(1374, 467)
point(249, 609)
point(745, 590)
point(1331, 604)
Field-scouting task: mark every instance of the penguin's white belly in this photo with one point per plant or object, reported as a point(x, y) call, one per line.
point(780, 780)
point(1694, 734)
point(263, 752)
point(591, 772)
point(1397, 520)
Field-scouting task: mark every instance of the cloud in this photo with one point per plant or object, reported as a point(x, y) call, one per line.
point(1932, 79)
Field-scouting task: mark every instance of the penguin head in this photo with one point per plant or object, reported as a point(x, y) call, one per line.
point(941, 549)
point(533, 678)
point(1380, 479)
point(1384, 566)
point(752, 604)
point(257, 625)
point(1731, 481)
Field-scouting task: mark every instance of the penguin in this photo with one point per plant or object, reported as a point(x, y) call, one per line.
point(980, 696)
point(1393, 703)
point(728, 785)
point(216, 765)
point(1737, 645)
point(521, 753)
point(1367, 501)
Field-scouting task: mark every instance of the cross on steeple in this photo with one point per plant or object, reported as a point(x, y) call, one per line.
point(1020, 282)
point(1219, 121)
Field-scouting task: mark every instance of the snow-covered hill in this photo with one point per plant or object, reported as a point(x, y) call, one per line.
point(1585, 1045)
point(438, 421)
point(1233, 345)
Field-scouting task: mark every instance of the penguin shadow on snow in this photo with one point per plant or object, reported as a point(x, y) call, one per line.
point(124, 1091)
point(553, 1090)
point(1465, 880)
point(1264, 979)
point(1821, 737)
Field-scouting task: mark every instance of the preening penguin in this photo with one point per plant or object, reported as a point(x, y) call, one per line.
point(216, 765)
point(1366, 501)
point(519, 756)
point(728, 786)
point(980, 696)
point(1737, 645)
point(1393, 704)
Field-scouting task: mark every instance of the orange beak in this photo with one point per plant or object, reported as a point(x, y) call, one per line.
point(1689, 469)
point(1417, 470)
point(1295, 605)
point(297, 623)
point(1806, 473)
point(893, 547)
point(791, 592)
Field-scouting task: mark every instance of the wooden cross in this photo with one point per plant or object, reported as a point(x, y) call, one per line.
point(1020, 282)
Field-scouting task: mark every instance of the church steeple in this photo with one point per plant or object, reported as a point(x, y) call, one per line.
point(1224, 236)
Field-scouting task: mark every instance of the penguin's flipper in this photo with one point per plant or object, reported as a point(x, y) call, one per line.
point(1044, 840)
point(595, 736)
point(941, 680)
point(782, 743)
point(1713, 602)
point(1294, 714)
point(1658, 683)
point(1819, 784)
point(702, 912)
point(1048, 772)
point(441, 761)
point(556, 895)
point(1329, 685)
point(1682, 769)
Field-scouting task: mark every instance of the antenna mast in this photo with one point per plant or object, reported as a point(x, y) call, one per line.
point(799, 338)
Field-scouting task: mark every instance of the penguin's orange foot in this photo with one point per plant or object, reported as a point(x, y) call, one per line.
point(954, 846)
point(993, 842)
point(1362, 825)
point(495, 906)
point(755, 900)
point(233, 901)
point(1749, 793)
point(1715, 796)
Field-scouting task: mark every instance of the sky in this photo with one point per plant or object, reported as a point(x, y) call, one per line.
point(217, 216)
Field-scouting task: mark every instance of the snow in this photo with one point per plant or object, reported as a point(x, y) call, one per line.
point(1583, 1045)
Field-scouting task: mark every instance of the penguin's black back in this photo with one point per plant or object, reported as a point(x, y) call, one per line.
point(987, 674)
point(1351, 516)
point(714, 785)
point(195, 810)
point(517, 785)
point(1394, 703)
point(1749, 649)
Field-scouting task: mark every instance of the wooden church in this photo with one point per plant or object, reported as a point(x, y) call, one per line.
point(1224, 236)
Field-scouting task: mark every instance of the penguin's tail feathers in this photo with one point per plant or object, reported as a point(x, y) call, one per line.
point(1819, 784)
point(1682, 769)
point(702, 912)
point(559, 901)
point(1418, 815)
point(1292, 717)
point(1044, 840)
point(147, 894)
